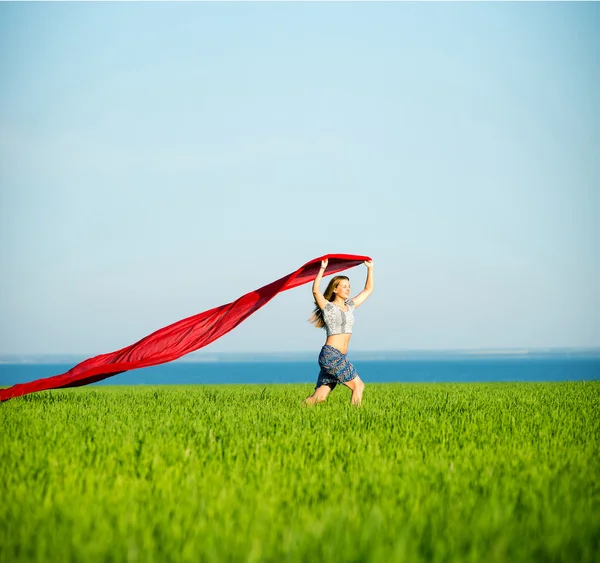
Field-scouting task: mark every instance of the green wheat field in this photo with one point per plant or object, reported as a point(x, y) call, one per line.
point(431, 472)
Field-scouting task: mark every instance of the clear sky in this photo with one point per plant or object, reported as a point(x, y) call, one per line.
point(158, 160)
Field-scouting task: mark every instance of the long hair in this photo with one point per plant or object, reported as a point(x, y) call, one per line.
point(317, 316)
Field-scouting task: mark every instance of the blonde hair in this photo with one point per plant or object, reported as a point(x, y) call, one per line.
point(317, 316)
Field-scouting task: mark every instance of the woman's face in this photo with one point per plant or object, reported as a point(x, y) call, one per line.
point(343, 289)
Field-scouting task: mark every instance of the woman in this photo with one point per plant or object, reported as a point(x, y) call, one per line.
point(334, 312)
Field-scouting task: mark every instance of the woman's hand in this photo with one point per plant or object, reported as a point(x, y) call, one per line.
point(324, 264)
point(368, 263)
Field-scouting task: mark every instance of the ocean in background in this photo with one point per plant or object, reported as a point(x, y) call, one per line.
point(265, 369)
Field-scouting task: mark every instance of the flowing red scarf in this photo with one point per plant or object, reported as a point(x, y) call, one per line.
point(182, 337)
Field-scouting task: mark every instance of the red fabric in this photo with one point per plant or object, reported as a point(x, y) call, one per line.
point(185, 336)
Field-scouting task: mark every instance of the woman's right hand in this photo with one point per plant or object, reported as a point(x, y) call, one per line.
point(324, 264)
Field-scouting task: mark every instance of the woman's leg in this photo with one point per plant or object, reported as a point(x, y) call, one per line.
point(320, 394)
point(357, 387)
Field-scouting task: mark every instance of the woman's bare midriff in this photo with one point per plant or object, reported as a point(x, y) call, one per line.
point(339, 341)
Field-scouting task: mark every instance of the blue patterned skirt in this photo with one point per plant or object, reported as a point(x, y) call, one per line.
point(335, 367)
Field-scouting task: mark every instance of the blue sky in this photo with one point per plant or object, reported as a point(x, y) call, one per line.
point(158, 160)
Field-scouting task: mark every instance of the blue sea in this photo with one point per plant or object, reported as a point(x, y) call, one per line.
point(433, 368)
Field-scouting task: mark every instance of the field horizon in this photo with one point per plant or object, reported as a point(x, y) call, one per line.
point(204, 355)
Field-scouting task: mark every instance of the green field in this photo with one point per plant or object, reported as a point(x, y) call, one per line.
point(448, 472)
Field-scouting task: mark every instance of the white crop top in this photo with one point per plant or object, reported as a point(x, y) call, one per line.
point(338, 321)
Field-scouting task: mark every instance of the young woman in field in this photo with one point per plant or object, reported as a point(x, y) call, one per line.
point(334, 312)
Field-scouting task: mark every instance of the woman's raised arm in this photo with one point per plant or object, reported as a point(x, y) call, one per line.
point(360, 298)
point(316, 289)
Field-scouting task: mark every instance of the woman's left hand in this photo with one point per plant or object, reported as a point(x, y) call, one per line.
point(368, 263)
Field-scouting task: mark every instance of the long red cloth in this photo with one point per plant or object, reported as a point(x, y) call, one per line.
point(184, 336)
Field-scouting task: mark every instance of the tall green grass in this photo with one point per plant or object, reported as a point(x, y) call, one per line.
point(504, 472)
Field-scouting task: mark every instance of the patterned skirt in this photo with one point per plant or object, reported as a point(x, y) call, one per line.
point(335, 367)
